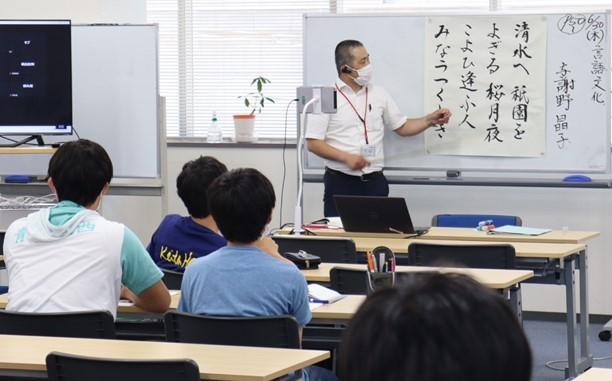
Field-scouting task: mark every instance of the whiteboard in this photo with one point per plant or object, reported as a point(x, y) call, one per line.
point(114, 97)
point(396, 43)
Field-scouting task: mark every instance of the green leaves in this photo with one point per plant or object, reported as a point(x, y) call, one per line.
point(257, 100)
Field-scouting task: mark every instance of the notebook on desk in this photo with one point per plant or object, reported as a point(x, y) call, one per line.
point(369, 216)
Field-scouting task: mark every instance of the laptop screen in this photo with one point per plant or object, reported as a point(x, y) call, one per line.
point(374, 214)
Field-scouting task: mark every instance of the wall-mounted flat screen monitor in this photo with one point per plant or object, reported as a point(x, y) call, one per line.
point(35, 77)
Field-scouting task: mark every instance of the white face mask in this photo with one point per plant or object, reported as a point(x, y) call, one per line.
point(364, 75)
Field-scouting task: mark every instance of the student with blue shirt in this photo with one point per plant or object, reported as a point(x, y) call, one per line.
point(178, 240)
point(248, 277)
point(69, 258)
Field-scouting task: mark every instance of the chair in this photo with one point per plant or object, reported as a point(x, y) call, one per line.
point(90, 324)
point(68, 367)
point(335, 250)
point(262, 331)
point(493, 256)
point(172, 279)
point(472, 220)
point(348, 281)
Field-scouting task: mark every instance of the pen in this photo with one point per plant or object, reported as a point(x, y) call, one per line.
point(381, 260)
point(370, 261)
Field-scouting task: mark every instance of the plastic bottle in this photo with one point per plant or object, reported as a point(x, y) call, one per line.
point(215, 135)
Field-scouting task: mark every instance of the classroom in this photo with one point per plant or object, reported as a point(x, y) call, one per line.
point(496, 108)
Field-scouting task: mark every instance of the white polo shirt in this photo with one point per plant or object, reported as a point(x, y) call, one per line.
point(344, 130)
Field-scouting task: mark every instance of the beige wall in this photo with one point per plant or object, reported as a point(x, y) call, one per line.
point(79, 11)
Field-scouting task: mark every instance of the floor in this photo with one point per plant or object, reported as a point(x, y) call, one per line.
point(549, 342)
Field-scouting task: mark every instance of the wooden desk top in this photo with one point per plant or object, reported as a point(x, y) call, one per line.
point(523, 249)
point(496, 279)
point(26, 150)
point(216, 362)
point(343, 309)
point(126, 308)
point(595, 374)
point(468, 234)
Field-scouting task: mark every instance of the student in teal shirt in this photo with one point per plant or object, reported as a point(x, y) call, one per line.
point(69, 258)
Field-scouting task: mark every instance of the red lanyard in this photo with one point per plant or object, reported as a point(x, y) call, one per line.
point(365, 113)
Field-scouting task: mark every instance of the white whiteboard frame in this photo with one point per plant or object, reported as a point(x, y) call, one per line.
point(607, 59)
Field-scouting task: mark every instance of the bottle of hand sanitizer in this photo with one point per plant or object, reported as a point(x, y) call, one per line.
point(215, 135)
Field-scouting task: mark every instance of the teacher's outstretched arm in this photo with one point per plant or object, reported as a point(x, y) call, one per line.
point(417, 125)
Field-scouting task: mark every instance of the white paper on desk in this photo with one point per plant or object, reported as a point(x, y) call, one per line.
point(511, 229)
point(125, 303)
point(313, 305)
point(174, 292)
point(334, 223)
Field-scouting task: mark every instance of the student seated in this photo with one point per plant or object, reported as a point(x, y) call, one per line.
point(436, 327)
point(248, 277)
point(69, 258)
point(178, 240)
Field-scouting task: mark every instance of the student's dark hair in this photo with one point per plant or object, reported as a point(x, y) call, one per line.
point(343, 53)
point(80, 169)
point(241, 202)
point(435, 327)
point(193, 182)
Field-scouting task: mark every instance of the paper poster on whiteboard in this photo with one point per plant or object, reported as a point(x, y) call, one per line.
point(491, 73)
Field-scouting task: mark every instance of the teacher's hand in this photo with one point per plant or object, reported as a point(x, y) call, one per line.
point(438, 117)
point(355, 162)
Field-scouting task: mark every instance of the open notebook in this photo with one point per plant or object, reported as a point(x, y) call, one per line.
point(320, 294)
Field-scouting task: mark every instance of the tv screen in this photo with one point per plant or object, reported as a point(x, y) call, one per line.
point(35, 77)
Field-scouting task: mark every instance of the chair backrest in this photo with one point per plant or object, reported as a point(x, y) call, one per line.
point(334, 250)
point(261, 331)
point(349, 281)
point(89, 324)
point(494, 256)
point(172, 279)
point(472, 220)
point(67, 367)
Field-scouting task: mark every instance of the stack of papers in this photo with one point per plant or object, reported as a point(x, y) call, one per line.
point(320, 294)
point(511, 229)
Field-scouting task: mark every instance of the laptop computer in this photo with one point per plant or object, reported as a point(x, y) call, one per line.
point(371, 216)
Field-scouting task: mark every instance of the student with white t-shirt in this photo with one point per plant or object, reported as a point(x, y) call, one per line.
point(351, 140)
point(69, 258)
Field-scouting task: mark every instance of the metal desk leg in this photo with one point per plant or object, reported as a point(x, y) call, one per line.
point(516, 302)
point(570, 299)
point(586, 358)
point(577, 362)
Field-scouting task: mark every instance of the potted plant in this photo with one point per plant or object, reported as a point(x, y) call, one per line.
point(244, 124)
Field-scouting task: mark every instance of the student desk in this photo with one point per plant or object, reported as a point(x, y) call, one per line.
point(27, 150)
point(122, 308)
point(595, 374)
point(565, 248)
point(216, 362)
point(503, 280)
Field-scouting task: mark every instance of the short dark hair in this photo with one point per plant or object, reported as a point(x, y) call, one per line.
point(435, 327)
point(193, 182)
point(343, 53)
point(80, 169)
point(241, 202)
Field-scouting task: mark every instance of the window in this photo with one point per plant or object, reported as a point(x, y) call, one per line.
point(211, 50)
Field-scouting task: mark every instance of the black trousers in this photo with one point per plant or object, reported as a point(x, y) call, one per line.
point(338, 183)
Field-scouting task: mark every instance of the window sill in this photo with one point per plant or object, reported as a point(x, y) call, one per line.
point(228, 143)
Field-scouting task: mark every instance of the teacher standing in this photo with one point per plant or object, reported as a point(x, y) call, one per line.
point(351, 141)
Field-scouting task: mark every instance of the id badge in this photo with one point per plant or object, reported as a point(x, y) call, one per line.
point(368, 150)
